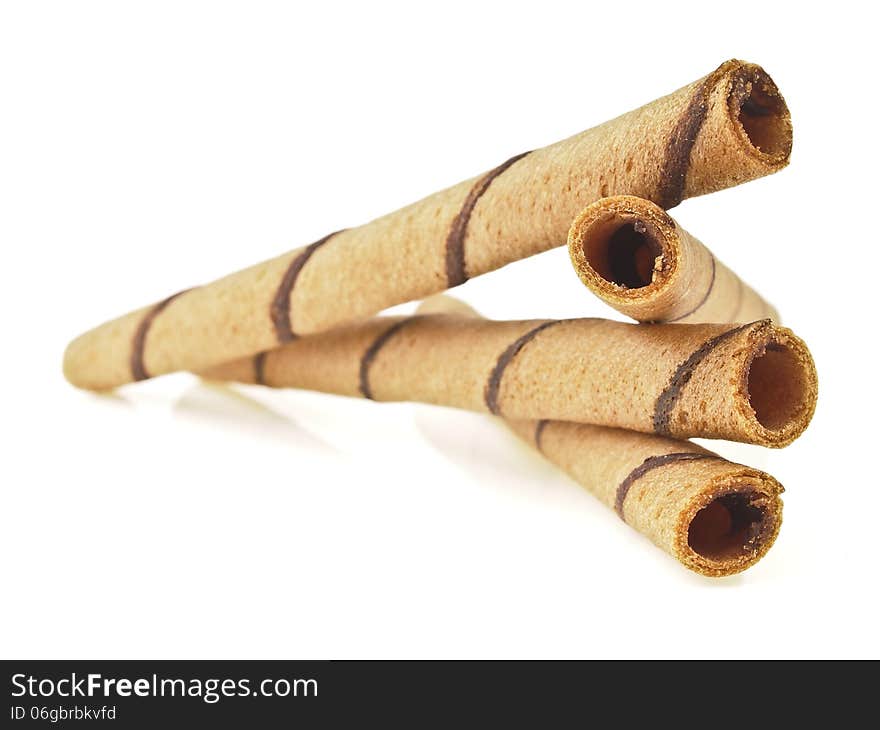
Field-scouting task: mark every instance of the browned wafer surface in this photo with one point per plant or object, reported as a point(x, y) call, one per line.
point(637, 259)
point(754, 383)
point(715, 517)
point(729, 127)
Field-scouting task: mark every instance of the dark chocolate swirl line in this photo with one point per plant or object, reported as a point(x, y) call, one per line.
point(139, 341)
point(260, 368)
point(493, 385)
point(279, 310)
point(455, 265)
point(373, 350)
point(705, 296)
point(539, 432)
point(671, 394)
point(652, 462)
point(681, 143)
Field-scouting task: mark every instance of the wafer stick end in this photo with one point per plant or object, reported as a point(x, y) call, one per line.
point(745, 132)
point(78, 366)
point(759, 115)
point(780, 386)
point(731, 524)
point(626, 250)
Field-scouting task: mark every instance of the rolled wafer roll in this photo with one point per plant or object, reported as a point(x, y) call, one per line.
point(724, 129)
point(713, 516)
point(637, 259)
point(754, 383)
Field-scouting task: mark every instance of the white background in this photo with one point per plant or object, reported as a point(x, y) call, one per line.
point(148, 147)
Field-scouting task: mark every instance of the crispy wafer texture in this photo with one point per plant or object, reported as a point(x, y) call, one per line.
point(754, 383)
point(726, 128)
point(637, 259)
point(715, 517)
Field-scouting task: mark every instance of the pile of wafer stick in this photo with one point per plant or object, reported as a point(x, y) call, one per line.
point(611, 403)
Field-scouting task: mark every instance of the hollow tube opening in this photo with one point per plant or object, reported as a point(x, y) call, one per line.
point(623, 252)
point(764, 116)
point(777, 386)
point(729, 526)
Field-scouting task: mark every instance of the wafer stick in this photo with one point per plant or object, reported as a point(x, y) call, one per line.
point(637, 259)
point(724, 129)
point(754, 383)
point(715, 517)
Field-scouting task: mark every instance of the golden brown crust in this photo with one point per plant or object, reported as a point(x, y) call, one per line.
point(771, 405)
point(685, 283)
point(750, 489)
point(715, 517)
point(766, 150)
point(691, 142)
point(754, 383)
point(659, 486)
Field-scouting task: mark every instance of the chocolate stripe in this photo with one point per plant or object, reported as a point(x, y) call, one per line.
point(680, 145)
point(493, 385)
point(455, 264)
point(705, 296)
point(139, 341)
point(652, 462)
point(373, 350)
point(260, 368)
point(668, 399)
point(279, 310)
point(539, 433)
